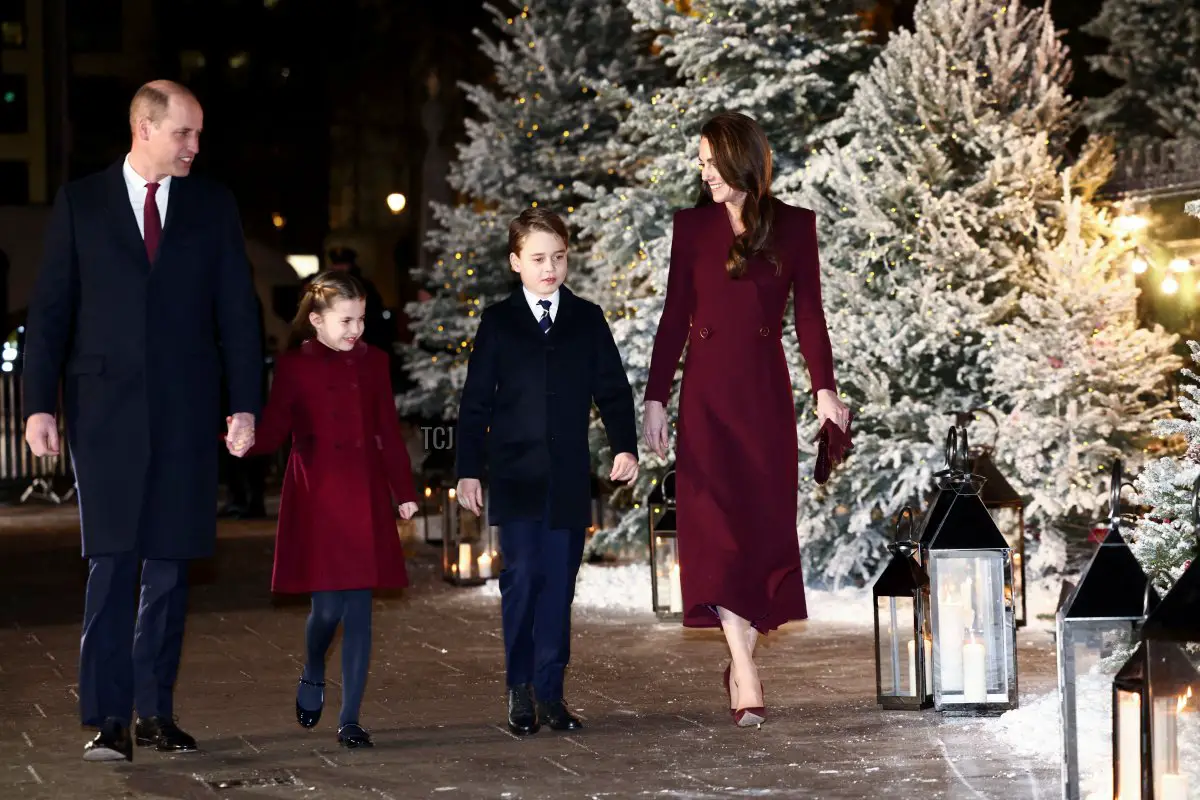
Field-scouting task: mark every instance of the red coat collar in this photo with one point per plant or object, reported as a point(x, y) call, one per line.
point(312, 347)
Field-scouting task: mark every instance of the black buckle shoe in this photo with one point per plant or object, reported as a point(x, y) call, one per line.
point(354, 735)
point(522, 714)
point(112, 743)
point(556, 715)
point(307, 718)
point(164, 735)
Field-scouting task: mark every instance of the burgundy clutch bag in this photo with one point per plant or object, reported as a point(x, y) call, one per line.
point(833, 445)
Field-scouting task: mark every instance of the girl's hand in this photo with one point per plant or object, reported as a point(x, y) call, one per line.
point(654, 427)
point(830, 407)
point(408, 510)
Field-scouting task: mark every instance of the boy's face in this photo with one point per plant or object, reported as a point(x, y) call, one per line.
point(542, 263)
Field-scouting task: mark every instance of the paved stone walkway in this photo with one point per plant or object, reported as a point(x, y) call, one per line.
point(650, 695)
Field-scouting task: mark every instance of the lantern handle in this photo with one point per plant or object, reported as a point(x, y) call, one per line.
point(965, 418)
point(906, 514)
point(1114, 490)
point(955, 448)
point(1196, 502)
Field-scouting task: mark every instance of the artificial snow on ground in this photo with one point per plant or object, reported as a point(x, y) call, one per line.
point(626, 588)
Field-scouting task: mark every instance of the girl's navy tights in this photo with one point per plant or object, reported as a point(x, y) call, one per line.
point(352, 608)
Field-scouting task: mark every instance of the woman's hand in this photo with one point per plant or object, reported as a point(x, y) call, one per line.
point(408, 510)
point(830, 407)
point(654, 427)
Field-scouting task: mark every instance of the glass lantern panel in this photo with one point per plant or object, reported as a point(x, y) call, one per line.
point(972, 625)
point(1176, 745)
point(898, 654)
point(1008, 520)
point(1090, 654)
point(666, 574)
point(1128, 746)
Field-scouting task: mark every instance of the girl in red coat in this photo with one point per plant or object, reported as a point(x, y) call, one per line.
point(337, 525)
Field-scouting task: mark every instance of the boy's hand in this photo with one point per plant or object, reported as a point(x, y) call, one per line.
point(624, 468)
point(470, 495)
point(408, 510)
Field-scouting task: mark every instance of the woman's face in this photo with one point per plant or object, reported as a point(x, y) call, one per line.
point(721, 191)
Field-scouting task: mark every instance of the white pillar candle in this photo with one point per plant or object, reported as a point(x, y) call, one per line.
point(464, 560)
point(676, 598)
point(1173, 787)
point(1129, 746)
point(485, 565)
point(950, 642)
point(974, 658)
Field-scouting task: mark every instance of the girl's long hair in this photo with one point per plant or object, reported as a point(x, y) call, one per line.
point(743, 158)
point(322, 292)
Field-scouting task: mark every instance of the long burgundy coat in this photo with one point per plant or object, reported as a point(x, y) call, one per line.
point(736, 458)
point(347, 472)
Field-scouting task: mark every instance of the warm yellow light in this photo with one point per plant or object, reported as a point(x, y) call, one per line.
point(1169, 285)
point(1131, 223)
point(1140, 265)
point(278, 220)
point(396, 202)
point(1180, 265)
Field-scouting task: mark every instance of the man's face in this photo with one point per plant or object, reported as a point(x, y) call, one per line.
point(172, 144)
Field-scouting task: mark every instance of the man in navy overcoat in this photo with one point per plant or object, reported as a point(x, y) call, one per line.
point(143, 298)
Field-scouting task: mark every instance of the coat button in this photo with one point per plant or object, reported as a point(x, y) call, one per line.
point(764, 331)
point(704, 333)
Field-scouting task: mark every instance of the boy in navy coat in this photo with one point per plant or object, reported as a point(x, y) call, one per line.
point(540, 359)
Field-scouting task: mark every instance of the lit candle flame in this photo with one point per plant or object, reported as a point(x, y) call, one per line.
point(1182, 702)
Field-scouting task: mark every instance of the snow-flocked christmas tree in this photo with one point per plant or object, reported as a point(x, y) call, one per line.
point(788, 64)
point(942, 219)
point(535, 134)
point(1154, 50)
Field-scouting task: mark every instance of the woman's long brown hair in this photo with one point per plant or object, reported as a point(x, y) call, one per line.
point(743, 158)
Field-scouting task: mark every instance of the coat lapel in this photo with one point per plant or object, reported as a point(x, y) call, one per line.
point(565, 314)
point(524, 315)
point(121, 211)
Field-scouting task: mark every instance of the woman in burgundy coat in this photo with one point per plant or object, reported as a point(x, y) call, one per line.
point(733, 263)
point(348, 469)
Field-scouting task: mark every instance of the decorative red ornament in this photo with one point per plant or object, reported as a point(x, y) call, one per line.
point(1055, 362)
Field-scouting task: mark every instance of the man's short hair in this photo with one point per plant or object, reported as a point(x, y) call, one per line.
point(152, 100)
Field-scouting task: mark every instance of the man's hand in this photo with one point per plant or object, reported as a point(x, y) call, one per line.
point(241, 433)
point(408, 510)
point(624, 468)
point(41, 432)
point(470, 495)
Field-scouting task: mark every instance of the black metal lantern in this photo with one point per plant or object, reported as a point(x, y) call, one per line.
point(470, 546)
point(1097, 629)
point(969, 564)
point(666, 587)
point(438, 493)
point(1155, 700)
point(1004, 504)
point(903, 647)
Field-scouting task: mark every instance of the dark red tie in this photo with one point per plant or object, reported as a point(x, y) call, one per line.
point(151, 221)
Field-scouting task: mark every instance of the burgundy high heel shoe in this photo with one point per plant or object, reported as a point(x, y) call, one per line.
point(751, 717)
point(729, 691)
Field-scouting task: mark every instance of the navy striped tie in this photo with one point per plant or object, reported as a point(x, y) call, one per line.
point(545, 322)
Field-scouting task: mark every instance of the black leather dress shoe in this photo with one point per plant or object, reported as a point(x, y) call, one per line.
point(522, 714)
point(354, 735)
point(556, 715)
point(164, 735)
point(112, 743)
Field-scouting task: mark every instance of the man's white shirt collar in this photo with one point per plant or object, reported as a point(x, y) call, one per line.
point(136, 186)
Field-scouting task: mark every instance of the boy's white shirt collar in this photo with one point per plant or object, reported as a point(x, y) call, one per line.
point(532, 299)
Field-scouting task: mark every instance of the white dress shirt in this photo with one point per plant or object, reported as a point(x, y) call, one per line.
point(537, 310)
point(136, 185)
